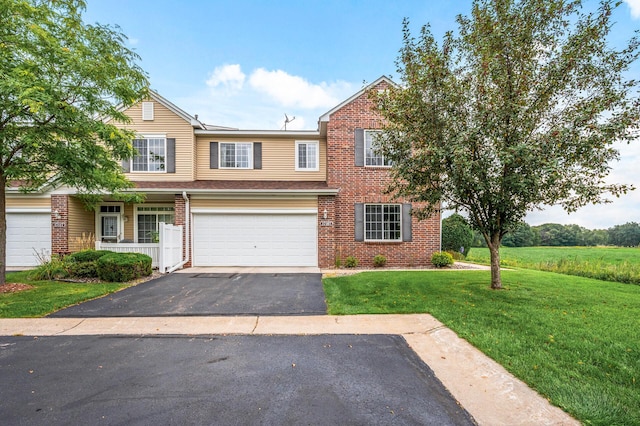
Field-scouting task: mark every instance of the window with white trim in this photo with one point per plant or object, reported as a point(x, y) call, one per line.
point(307, 156)
point(372, 156)
point(150, 154)
point(147, 111)
point(236, 155)
point(383, 222)
point(148, 219)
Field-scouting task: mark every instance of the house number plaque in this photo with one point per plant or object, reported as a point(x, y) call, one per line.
point(326, 223)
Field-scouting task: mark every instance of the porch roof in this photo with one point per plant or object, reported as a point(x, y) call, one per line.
point(238, 186)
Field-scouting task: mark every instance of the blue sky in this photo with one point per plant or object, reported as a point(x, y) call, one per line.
point(247, 63)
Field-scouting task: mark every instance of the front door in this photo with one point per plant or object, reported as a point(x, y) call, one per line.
point(109, 228)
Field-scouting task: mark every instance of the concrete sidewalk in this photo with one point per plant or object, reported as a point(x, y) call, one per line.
point(483, 387)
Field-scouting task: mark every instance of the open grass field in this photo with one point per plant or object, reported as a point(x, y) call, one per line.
point(573, 339)
point(620, 264)
point(49, 296)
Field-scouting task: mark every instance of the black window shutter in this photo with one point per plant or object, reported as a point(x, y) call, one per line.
point(359, 221)
point(213, 155)
point(406, 223)
point(126, 166)
point(257, 155)
point(359, 147)
point(171, 155)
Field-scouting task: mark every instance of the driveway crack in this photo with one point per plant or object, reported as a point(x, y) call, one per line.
point(71, 328)
point(255, 325)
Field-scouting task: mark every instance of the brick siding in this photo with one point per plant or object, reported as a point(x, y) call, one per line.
point(60, 224)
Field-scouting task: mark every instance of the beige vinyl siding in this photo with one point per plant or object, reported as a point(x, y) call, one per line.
point(81, 231)
point(167, 123)
point(128, 224)
point(278, 161)
point(28, 203)
point(248, 203)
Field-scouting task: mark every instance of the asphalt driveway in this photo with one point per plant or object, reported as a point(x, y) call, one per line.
point(229, 380)
point(211, 294)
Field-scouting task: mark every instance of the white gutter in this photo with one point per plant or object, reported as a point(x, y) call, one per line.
point(187, 234)
point(328, 191)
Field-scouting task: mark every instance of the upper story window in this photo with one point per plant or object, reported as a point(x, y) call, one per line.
point(307, 156)
point(371, 154)
point(236, 155)
point(149, 154)
point(383, 222)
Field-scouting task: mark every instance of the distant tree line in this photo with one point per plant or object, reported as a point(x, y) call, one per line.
point(554, 234)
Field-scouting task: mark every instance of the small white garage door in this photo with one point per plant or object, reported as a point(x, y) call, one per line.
point(28, 233)
point(238, 239)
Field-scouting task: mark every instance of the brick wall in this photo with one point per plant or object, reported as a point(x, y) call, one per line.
point(179, 219)
point(60, 224)
point(365, 185)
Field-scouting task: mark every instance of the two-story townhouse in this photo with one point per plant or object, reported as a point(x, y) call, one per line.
point(244, 197)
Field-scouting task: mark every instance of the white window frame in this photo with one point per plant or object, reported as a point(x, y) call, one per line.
point(137, 212)
point(316, 158)
point(383, 239)
point(120, 221)
point(368, 148)
point(250, 156)
point(147, 137)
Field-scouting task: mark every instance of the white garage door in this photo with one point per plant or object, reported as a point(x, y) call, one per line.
point(26, 234)
point(223, 239)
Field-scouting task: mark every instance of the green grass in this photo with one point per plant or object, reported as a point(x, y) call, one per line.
point(574, 340)
point(49, 296)
point(603, 263)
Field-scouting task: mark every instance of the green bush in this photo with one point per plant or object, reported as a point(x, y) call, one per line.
point(121, 267)
point(86, 256)
point(441, 259)
point(351, 262)
point(82, 269)
point(52, 269)
point(457, 235)
point(379, 261)
point(456, 255)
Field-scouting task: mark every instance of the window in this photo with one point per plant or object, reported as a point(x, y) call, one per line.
point(150, 154)
point(148, 218)
point(307, 156)
point(371, 154)
point(236, 155)
point(383, 222)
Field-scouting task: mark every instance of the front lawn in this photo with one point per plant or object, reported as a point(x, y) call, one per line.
point(574, 340)
point(49, 296)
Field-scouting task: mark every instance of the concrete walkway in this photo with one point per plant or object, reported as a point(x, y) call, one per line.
point(483, 387)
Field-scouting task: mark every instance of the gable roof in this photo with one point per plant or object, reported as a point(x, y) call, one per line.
point(325, 117)
point(177, 111)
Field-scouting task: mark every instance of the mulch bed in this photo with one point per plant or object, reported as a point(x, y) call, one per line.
point(14, 287)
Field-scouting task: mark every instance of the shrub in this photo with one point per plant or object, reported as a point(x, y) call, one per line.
point(86, 256)
point(82, 269)
point(457, 235)
point(49, 270)
point(379, 261)
point(351, 262)
point(441, 259)
point(456, 255)
point(121, 267)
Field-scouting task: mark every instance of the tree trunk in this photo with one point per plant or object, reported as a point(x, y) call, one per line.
point(494, 250)
point(3, 230)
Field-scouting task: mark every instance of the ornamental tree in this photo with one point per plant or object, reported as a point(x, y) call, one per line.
point(60, 80)
point(517, 110)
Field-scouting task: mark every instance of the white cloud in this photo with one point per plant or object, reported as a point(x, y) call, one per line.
point(294, 91)
point(230, 76)
point(634, 6)
point(264, 100)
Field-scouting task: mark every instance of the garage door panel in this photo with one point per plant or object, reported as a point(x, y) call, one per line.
point(255, 240)
point(27, 233)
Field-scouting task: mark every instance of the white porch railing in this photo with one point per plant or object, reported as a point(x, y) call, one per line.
point(165, 254)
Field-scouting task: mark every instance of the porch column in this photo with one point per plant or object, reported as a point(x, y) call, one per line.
point(60, 224)
point(180, 220)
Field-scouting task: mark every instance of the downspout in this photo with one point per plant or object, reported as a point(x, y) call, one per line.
point(187, 234)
